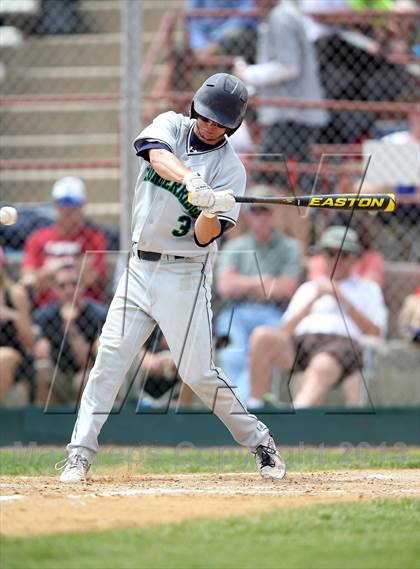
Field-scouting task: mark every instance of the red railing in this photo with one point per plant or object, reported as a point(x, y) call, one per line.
point(16, 100)
point(57, 163)
point(160, 41)
point(380, 107)
point(339, 17)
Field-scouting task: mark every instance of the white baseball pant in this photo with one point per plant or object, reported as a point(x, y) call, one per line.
point(176, 295)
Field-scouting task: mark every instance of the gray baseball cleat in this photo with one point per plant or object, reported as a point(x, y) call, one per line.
point(76, 468)
point(269, 462)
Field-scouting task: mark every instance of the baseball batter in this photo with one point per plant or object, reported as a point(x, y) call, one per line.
point(183, 202)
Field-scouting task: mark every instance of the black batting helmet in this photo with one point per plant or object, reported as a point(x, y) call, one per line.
point(223, 99)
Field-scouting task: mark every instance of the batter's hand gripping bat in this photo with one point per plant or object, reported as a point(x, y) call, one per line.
point(367, 202)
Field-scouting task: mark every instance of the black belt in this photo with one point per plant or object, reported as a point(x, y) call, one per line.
point(151, 256)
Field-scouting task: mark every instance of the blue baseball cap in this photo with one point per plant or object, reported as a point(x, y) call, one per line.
point(69, 192)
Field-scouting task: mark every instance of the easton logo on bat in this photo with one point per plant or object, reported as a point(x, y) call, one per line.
point(347, 202)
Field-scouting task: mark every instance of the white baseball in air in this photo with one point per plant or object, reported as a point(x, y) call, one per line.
point(8, 215)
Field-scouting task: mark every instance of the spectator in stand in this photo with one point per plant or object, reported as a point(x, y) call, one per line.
point(257, 273)
point(16, 339)
point(370, 262)
point(160, 375)
point(354, 62)
point(230, 36)
point(286, 66)
point(69, 241)
point(234, 35)
point(314, 29)
point(409, 317)
point(337, 60)
point(322, 328)
point(66, 345)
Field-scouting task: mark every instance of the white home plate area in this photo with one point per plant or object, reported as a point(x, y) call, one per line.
point(40, 505)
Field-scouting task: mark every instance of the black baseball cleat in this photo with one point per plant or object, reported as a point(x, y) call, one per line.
point(269, 462)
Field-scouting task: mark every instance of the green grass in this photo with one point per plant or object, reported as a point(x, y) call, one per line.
point(39, 461)
point(365, 535)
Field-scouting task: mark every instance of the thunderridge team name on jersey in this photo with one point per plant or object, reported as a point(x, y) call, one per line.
point(177, 189)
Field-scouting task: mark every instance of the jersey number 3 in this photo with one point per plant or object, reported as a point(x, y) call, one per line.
point(185, 223)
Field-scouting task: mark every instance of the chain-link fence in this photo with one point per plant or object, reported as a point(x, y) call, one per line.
point(333, 109)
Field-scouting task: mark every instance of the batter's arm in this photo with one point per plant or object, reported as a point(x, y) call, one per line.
point(167, 165)
point(170, 167)
point(207, 229)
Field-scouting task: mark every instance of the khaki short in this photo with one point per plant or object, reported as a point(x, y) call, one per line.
point(348, 353)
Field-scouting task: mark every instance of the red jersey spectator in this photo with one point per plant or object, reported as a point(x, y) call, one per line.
point(69, 241)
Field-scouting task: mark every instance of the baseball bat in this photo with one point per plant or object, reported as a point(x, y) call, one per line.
point(367, 202)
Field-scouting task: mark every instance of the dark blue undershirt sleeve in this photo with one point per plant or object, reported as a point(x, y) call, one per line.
point(224, 226)
point(143, 146)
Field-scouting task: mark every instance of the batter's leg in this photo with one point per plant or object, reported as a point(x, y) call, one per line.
point(186, 325)
point(126, 328)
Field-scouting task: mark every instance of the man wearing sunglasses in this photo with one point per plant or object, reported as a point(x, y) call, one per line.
point(322, 328)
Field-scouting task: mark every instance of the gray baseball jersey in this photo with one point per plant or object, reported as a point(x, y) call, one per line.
point(163, 219)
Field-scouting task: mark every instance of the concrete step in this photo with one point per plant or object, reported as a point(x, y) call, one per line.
point(104, 15)
point(69, 51)
point(56, 118)
point(65, 51)
point(35, 185)
point(103, 208)
point(51, 80)
point(104, 212)
point(59, 80)
point(100, 15)
point(65, 147)
point(46, 119)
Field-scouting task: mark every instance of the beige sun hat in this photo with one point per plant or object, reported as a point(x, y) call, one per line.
point(340, 237)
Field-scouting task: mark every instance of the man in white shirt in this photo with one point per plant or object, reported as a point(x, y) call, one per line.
point(322, 328)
